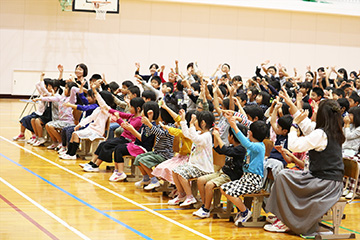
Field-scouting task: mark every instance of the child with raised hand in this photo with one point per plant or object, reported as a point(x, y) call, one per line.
point(105, 149)
point(143, 143)
point(64, 117)
point(88, 106)
point(44, 87)
point(96, 128)
point(232, 170)
point(201, 157)
point(253, 168)
point(164, 169)
point(163, 150)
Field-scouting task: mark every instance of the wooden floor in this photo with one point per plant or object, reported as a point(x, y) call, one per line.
point(43, 197)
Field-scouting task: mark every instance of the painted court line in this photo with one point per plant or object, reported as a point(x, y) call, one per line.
point(80, 200)
point(62, 222)
point(30, 219)
point(112, 192)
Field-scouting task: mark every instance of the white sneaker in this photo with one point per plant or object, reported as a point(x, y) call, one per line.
point(188, 202)
point(62, 150)
point(115, 177)
point(345, 192)
point(37, 143)
point(278, 226)
point(201, 213)
point(241, 219)
point(151, 186)
point(68, 157)
point(19, 138)
point(349, 195)
point(177, 200)
point(89, 168)
point(51, 147)
point(40, 141)
point(82, 165)
point(32, 141)
point(140, 183)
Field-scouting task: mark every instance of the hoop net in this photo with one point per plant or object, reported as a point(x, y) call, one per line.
point(100, 10)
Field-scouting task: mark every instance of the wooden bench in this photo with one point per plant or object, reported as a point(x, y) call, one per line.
point(254, 199)
point(335, 214)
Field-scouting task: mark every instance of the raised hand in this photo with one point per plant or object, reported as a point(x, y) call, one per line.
point(193, 119)
point(182, 114)
point(60, 68)
point(137, 65)
point(303, 114)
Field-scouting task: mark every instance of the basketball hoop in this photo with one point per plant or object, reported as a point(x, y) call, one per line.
point(100, 9)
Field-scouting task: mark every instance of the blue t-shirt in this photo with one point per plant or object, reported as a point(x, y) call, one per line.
point(254, 160)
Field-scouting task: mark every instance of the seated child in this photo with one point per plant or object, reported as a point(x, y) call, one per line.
point(231, 171)
point(163, 150)
point(96, 128)
point(164, 169)
point(201, 157)
point(253, 168)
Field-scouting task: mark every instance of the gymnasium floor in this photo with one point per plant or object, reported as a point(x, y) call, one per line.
point(43, 197)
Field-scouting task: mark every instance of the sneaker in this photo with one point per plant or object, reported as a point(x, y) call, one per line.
point(278, 226)
point(115, 177)
point(90, 168)
point(349, 195)
point(39, 142)
point(201, 213)
point(151, 186)
point(242, 217)
point(345, 192)
point(173, 193)
point(140, 183)
point(51, 147)
point(271, 219)
point(32, 140)
point(19, 138)
point(68, 157)
point(188, 201)
point(57, 148)
point(82, 165)
point(62, 150)
point(177, 200)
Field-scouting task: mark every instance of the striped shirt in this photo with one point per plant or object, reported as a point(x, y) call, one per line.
point(163, 141)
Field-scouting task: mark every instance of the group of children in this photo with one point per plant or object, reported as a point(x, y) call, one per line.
point(211, 129)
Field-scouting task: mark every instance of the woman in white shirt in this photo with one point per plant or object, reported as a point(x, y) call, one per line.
point(299, 199)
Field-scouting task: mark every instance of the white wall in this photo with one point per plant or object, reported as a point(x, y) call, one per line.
point(37, 35)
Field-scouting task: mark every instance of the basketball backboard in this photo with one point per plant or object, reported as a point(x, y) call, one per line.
point(88, 5)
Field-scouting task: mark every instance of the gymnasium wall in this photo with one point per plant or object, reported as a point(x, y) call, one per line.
point(35, 35)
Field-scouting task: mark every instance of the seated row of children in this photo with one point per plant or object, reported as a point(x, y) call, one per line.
point(209, 117)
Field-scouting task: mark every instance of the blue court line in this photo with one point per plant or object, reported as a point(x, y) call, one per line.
point(141, 210)
point(78, 199)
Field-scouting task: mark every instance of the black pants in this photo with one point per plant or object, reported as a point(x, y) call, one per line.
point(120, 151)
point(105, 149)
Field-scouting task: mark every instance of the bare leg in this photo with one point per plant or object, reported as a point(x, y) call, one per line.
point(185, 184)
point(201, 182)
point(177, 182)
point(209, 193)
point(119, 167)
point(48, 129)
point(98, 162)
point(33, 124)
point(39, 128)
point(74, 138)
point(147, 170)
point(22, 129)
point(236, 201)
point(143, 172)
point(94, 158)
